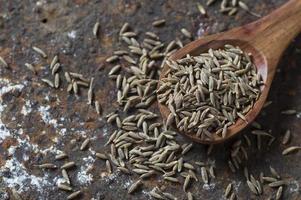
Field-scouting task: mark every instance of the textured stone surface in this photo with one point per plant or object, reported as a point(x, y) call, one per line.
point(36, 122)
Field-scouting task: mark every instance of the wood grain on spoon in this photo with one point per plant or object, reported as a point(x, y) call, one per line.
point(266, 39)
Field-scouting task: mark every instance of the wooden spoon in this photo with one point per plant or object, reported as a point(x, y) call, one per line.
point(266, 39)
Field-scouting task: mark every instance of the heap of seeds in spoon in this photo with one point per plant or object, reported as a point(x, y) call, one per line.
point(207, 93)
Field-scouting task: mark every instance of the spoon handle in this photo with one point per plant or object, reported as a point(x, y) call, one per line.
point(273, 33)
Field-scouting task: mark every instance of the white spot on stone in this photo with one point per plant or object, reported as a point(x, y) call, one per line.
point(44, 111)
point(26, 109)
point(105, 131)
point(295, 186)
point(209, 186)
point(6, 87)
point(83, 176)
point(72, 34)
point(20, 179)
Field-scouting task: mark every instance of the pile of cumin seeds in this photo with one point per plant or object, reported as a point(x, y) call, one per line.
point(207, 93)
point(137, 67)
point(141, 145)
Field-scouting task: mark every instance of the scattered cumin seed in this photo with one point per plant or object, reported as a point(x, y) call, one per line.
point(96, 29)
point(48, 82)
point(74, 195)
point(39, 51)
point(291, 150)
point(289, 112)
point(61, 156)
point(68, 165)
point(186, 33)
point(64, 187)
point(134, 186)
point(30, 67)
point(201, 9)
point(286, 137)
point(85, 144)
point(159, 22)
point(3, 62)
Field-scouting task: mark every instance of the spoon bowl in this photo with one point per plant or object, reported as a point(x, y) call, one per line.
point(262, 69)
point(265, 39)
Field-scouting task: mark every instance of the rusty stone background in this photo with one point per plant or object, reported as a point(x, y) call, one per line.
point(37, 122)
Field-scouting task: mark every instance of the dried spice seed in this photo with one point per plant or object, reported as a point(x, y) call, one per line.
point(96, 29)
point(189, 196)
point(211, 171)
point(228, 190)
point(277, 183)
point(290, 150)
point(66, 177)
point(252, 187)
point(134, 186)
point(246, 8)
point(67, 77)
point(204, 175)
point(124, 28)
point(169, 196)
point(279, 193)
point(201, 9)
point(56, 80)
point(74, 195)
point(85, 144)
point(30, 67)
point(186, 182)
point(82, 83)
point(269, 179)
point(108, 166)
point(274, 172)
point(286, 137)
point(69, 87)
point(75, 87)
point(68, 165)
point(47, 166)
point(129, 34)
point(3, 62)
point(55, 68)
point(101, 156)
point(115, 69)
point(156, 195)
point(289, 112)
point(64, 187)
point(232, 197)
point(97, 107)
point(159, 22)
point(112, 59)
point(186, 33)
point(48, 82)
point(39, 51)
point(90, 91)
point(60, 156)
point(54, 60)
point(171, 179)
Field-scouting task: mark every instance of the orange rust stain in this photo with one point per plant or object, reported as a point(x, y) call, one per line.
point(2, 160)
point(4, 52)
point(291, 92)
point(90, 125)
point(9, 142)
point(80, 2)
point(127, 8)
point(100, 59)
point(106, 41)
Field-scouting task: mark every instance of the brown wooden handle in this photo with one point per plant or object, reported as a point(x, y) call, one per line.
point(274, 32)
